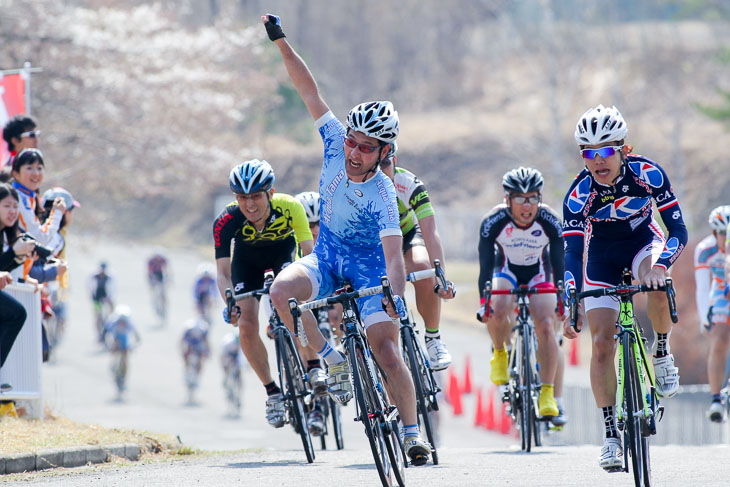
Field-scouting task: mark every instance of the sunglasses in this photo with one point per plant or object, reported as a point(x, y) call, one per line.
point(365, 149)
point(31, 133)
point(521, 200)
point(604, 152)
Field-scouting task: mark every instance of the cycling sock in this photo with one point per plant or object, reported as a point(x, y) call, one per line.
point(410, 430)
point(330, 355)
point(272, 388)
point(313, 364)
point(662, 345)
point(559, 400)
point(609, 413)
point(716, 398)
point(432, 335)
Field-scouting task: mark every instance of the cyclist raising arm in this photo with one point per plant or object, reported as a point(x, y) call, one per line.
point(608, 213)
point(528, 240)
point(265, 228)
point(359, 239)
point(421, 245)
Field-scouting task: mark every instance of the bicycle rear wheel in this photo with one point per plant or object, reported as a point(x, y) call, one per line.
point(368, 411)
point(527, 410)
point(294, 389)
point(418, 368)
point(632, 432)
point(534, 388)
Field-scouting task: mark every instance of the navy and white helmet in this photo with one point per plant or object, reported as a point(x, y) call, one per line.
point(251, 177)
point(310, 202)
point(377, 119)
point(599, 125)
point(720, 218)
point(523, 180)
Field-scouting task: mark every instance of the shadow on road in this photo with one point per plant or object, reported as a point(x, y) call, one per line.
point(515, 452)
point(278, 463)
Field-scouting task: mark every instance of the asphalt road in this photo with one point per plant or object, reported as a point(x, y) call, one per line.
point(78, 384)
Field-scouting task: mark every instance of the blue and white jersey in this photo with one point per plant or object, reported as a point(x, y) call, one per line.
point(353, 216)
point(621, 212)
point(709, 260)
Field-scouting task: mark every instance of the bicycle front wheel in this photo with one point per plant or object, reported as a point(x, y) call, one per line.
point(417, 366)
point(632, 405)
point(526, 406)
point(336, 415)
point(294, 390)
point(368, 410)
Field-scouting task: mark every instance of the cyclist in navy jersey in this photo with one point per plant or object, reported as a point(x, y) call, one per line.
point(608, 215)
point(359, 239)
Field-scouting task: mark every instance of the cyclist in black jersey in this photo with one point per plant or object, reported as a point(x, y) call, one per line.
point(521, 243)
point(266, 229)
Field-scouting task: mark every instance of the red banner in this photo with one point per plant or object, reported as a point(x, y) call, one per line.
point(12, 102)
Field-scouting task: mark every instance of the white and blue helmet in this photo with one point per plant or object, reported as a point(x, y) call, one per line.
point(377, 119)
point(251, 177)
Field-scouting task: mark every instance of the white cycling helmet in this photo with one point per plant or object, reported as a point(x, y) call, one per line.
point(720, 218)
point(122, 311)
point(599, 125)
point(205, 269)
point(376, 119)
point(310, 202)
point(251, 177)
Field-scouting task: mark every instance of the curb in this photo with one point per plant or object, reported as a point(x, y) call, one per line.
point(67, 457)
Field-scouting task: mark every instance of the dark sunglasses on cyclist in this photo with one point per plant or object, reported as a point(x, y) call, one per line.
point(365, 149)
point(31, 133)
point(521, 200)
point(604, 152)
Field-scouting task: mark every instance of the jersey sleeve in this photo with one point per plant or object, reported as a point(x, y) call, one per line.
point(333, 134)
point(299, 223)
point(417, 197)
point(671, 214)
point(42, 232)
point(703, 276)
point(553, 229)
point(386, 211)
point(574, 233)
point(488, 231)
point(224, 229)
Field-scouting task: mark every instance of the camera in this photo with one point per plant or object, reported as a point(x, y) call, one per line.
point(43, 252)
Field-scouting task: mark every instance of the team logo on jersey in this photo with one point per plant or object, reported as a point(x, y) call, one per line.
point(670, 248)
point(648, 173)
point(625, 188)
point(569, 281)
point(536, 233)
point(358, 192)
point(622, 208)
point(578, 197)
point(239, 287)
point(508, 230)
point(676, 215)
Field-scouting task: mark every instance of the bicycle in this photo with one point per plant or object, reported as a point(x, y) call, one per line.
point(725, 391)
point(328, 406)
point(419, 365)
point(159, 300)
point(524, 384)
point(292, 376)
point(638, 405)
point(372, 406)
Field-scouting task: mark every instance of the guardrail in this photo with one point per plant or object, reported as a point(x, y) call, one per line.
point(22, 369)
point(684, 423)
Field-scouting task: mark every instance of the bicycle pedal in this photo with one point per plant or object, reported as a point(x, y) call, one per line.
point(614, 469)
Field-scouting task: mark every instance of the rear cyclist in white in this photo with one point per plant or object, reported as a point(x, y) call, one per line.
point(359, 239)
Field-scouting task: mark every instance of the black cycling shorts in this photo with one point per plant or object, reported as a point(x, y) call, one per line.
point(250, 262)
point(413, 238)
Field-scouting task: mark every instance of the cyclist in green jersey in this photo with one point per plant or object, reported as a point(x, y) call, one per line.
point(421, 245)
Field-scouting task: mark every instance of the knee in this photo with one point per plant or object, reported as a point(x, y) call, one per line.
point(603, 348)
point(388, 357)
point(280, 294)
point(248, 329)
point(544, 327)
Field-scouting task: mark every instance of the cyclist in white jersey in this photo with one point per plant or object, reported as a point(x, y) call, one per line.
point(421, 245)
point(359, 238)
point(526, 238)
point(712, 303)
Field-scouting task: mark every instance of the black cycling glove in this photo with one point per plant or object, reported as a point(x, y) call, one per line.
point(273, 28)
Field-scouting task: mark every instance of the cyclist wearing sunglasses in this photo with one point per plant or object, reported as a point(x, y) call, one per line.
point(421, 245)
point(266, 228)
point(359, 238)
point(521, 243)
point(19, 133)
point(712, 303)
point(607, 213)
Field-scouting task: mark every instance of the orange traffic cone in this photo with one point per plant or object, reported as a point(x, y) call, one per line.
point(479, 416)
point(489, 422)
point(467, 377)
point(574, 352)
point(506, 424)
point(455, 395)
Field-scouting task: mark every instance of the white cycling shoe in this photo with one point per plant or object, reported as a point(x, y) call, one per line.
point(339, 382)
point(317, 380)
point(715, 412)
point(438, 355)
point(275, 411)
point(667, 375)
point(612, 455)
